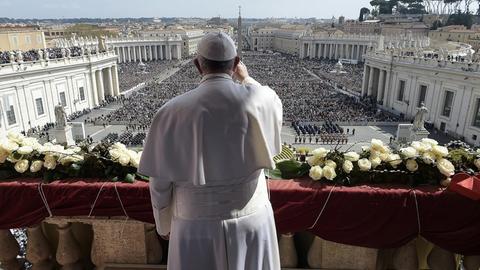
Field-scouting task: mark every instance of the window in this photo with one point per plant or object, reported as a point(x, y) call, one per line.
point(422, 94)
point(28, 40)
point(447, 104)
point(63, 99)
point(11, 116)
point(15, 41)
point(476, 116)
point(401, 90)
point(81, 91)
point(39, 105)
point(8, 102)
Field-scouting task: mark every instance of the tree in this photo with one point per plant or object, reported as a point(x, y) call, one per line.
point(364, 11)
point(460, 18)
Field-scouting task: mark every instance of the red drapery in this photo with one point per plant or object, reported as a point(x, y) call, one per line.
point(376, 216)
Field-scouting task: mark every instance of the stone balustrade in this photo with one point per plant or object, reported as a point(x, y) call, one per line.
point(118, 243)
point(15, 67)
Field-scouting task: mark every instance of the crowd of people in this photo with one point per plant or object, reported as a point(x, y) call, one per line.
point(306, 95)
point(127, 138)
point(328, 133)
point(133, 73)
point(35, 55)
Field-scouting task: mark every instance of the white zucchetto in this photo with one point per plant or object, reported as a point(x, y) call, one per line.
point(217, 47)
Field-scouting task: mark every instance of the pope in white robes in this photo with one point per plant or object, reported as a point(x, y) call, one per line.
point(205, 154)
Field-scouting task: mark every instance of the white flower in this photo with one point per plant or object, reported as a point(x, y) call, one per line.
point(445, 167)
point(351, 156)
point(135, 162)
point(376, 144)
point(432, 142)
point(329, 173)
point(9, 146)
point(70, 159)
point(314, 161)
point(428, 158)
point(15, 137)
point(115, 153)
point(394, 160)
point(364, 164)
point(21, 166)
point(421, 147)
point(347, 166)
point(440, 151)
point(331, 163)
point(124, 160)
point(375, 161)
point(36, 166)
point(50, 162)
point(33, 142)
point(316, 173)
point(119, 146)
point(412, 165)
point(25, 150)
point(320, 152)
point(408, 152)
point(476, 162)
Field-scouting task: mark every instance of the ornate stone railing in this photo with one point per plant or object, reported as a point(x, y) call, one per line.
point(117, 243)
point(16, 67)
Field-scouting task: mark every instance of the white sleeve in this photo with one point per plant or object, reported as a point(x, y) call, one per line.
point(161, 195)
point(250, 80)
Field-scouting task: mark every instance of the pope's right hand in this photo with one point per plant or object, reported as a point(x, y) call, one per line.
point(240, 73)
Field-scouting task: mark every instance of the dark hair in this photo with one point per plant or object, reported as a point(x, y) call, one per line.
point(217, 66)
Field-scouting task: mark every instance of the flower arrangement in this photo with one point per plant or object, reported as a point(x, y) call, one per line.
point(25, 156)
point(421, 162)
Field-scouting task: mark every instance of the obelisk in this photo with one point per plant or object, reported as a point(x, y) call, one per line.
point(239, 33)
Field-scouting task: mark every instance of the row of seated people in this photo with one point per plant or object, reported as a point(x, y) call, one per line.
point(126, 138)
point(328, 127)
point(322, 139)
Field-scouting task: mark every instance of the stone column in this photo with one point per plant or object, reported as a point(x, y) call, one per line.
point(161, 52)
point(324, 54)
point(134, 53)
point(288, 253)
point(145, 57)
point(129, 57)
point(101, 91)
point(155, 52)
point(440, 259)
point(381, 84)
point(179, 52)
point(370, 81)
point(150, 54)
point(38, 249)
point(169, 52)
point(94, 93)
point(68, 251)
point(386, 95)
point(109, 91)
point(9, 250)
point(366, 69)
point(116, 85)
point(124, 55)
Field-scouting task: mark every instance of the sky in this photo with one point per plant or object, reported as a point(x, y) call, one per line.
point(180, 8)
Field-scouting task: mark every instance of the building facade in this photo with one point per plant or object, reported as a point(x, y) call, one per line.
point(29, 91)
point(450, 89)
point(24, 40)
point(134, 49)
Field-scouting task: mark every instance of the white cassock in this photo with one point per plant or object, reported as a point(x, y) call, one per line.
point(205, 154)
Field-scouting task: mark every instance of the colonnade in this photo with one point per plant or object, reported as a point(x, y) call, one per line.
point(149, 52)
point(104, 83)
point(375, 84)
point(334, 50)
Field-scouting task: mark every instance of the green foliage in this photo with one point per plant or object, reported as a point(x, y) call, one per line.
point(461, 18)
point(293, 169)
